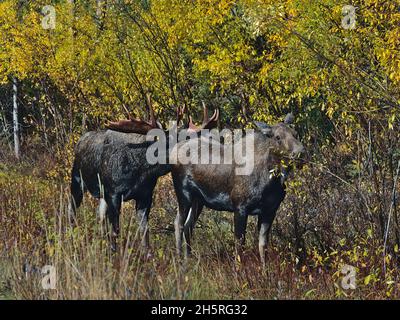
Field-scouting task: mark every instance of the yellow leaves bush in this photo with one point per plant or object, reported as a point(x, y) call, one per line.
point(305, 59)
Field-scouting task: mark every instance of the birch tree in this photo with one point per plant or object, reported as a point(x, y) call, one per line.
point(17, 148)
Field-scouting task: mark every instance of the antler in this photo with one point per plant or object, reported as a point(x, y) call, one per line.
point(135, 125)
point(180, 112)
point(208, 123)
point(153, 121)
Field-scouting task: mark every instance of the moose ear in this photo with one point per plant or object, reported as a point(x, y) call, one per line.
point(261, 125)
point(265, 128)
point(289, 118)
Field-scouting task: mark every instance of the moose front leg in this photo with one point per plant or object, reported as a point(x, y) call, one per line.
point(264, 225)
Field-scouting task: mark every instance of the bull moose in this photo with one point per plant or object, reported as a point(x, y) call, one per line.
point(112, 166)
point(216, 186)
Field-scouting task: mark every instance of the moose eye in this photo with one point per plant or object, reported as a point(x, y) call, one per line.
point(278, 138)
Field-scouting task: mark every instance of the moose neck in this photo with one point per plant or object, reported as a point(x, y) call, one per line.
point(269, 158)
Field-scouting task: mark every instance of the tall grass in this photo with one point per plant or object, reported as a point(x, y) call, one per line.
point(312, 239)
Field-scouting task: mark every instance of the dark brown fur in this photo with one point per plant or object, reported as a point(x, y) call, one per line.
point(216, 186)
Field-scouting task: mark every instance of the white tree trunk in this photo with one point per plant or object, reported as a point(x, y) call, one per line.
point(17, 149)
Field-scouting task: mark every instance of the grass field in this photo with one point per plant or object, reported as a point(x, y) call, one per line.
point(34, 233)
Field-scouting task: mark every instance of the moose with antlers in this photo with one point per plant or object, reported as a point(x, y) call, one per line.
point(112, 166)
point(217, 186)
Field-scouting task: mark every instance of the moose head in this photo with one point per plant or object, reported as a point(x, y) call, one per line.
point(282, 138)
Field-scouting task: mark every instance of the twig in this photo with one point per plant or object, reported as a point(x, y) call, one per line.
point(390, 214)
point(324, 168)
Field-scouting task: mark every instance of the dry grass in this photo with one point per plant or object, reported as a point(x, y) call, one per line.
point(34, 233)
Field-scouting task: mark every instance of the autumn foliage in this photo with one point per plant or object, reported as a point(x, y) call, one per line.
point(337, 68)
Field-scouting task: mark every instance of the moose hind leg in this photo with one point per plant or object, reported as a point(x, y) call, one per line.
point(180, 219)
point(143, 211)
point(240, 222)
point(113, 211)
point(77, 190)
point(190, 223)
